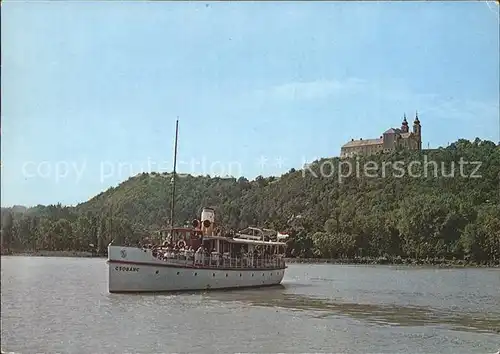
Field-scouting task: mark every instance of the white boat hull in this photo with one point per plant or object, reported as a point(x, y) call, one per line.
point(136, 270)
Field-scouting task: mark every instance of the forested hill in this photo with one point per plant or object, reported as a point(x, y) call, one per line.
point(388, 205)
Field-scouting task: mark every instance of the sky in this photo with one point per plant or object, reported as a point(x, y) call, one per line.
point(91, 90)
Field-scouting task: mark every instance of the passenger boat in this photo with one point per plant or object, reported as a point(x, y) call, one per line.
point(199, 257)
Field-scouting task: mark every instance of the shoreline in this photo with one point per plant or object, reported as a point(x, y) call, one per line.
point(45, 253)
point(439, 263)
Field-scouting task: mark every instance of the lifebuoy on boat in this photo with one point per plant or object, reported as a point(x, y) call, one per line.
point(206, 223)
point(181, 244)
point(196, 223)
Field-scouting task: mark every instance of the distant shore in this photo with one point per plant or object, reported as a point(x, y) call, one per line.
point(44, 253)
point(394, 261)
point(347, 261)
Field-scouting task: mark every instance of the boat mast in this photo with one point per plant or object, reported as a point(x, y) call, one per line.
point(174, 174)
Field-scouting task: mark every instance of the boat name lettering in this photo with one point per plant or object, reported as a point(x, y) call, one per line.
point(127, 269)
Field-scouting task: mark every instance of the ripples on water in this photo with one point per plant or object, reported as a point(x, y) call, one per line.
point(61, 305)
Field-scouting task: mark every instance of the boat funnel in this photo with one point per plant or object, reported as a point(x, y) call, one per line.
point(207, 221)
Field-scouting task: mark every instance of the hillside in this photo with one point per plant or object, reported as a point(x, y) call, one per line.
point(393, 214)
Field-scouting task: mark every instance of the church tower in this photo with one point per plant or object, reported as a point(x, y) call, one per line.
point(417, 130)
point(404, 125)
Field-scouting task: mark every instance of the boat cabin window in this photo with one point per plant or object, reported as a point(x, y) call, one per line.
point(176, 234)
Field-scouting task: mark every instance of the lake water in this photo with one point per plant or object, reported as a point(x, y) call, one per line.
point(61, 305)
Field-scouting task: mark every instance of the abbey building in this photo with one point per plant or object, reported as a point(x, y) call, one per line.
point(391, 140)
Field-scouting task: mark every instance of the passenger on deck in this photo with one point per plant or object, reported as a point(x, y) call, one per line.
point(198, 257)
point(248, 259)
point(214, 257)
point(166, 252)
point(175, 251)
point(188, 252)
point(180, 253)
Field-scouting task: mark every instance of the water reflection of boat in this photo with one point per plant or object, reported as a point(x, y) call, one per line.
point(284, 297)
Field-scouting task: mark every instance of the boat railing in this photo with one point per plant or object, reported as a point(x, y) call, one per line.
point(223, 261)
